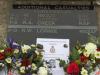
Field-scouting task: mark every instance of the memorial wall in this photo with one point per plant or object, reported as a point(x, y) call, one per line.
point(74, 22)
point(53, 28)
point(55, 25)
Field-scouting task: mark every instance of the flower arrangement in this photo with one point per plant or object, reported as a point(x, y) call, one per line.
point(83, 59)
point(25, 59)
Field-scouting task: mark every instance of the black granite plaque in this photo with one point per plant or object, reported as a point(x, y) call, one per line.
point(74, 22)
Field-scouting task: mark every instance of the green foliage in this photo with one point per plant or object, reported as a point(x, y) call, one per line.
point(62, 63)
point(94, 39)
point(74, 55)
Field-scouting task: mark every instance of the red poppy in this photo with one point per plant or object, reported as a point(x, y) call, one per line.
point(2, 56)
point(73, 68)
point(83, 58)
point(26, 62)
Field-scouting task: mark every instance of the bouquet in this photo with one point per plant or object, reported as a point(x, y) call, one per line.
point(84, 59)
point(26, 59)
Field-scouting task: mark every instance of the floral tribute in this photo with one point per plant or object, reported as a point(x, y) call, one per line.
point(84, 59)
point(25, 59)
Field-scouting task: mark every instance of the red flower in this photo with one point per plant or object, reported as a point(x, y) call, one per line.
point(73, 68)
point(8, 51)
point(83, 58)
point(25, 62)
point(98, 49)
point(2, 56)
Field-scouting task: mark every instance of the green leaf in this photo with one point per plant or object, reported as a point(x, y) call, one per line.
point(74, 55)
point(62, 63)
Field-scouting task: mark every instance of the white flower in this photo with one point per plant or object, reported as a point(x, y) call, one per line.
point(42, 71)
point(33, 45)
point(16, 51)
point(1, 51)
point(25, 48)
point(86, 54)
point(22, 69)
point(1, 64)
point(34, 74)
point(18, 63)
point(8, 60)
point(90, 47)
point(84, 71)
point(79, 51)
point(34, 66)
point(97, 54)
point(24, 51)
point(36, 52)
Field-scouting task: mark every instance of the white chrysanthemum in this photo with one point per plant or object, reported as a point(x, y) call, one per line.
point(16, 51)
point(86, 54)
point(37, 52)
point(8, 60)
point(25, 48)
point(97, 54)
point(1, 51)
point(79, 51)
point(22, 69)
point(84, 71)
point(18, 63)
point(42, 71)
point(90, 47)
point(33, 45)
point(34, 66)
